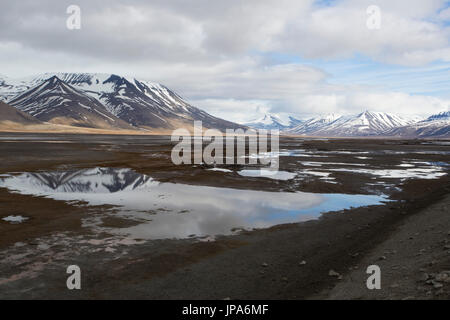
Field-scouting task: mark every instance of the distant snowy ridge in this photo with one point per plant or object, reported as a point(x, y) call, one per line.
point(435, 126)
point(273, 121)
point(370, 123)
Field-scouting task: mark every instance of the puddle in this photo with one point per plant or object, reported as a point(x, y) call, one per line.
point(168, 210)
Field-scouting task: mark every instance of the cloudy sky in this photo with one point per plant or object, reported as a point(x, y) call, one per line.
point(240, 59)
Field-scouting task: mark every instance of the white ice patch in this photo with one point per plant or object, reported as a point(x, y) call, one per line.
point(266, 173)
point(317, 173)
point(220, 170)
point(311, 164)
point(15, 219)
point(406, 165)
point(324, 176)
point(415, 173)
point(319, 164)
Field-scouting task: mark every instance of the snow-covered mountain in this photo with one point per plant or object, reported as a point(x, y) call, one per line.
point(314, 124)
point(368, 123)
point(437, 126)
point(140, 103)
point(9, 87)
point(55, 101)
point(272, 121)
point(443, 116)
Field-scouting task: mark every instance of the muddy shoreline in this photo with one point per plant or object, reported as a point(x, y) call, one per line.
point(289, 261)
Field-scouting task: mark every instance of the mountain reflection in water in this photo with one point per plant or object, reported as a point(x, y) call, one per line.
point(169, 210)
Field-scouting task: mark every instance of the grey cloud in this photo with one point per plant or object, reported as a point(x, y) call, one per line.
point(209, 50)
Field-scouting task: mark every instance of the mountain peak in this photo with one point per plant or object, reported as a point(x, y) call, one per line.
point(445, 115)
point(370, 113)
point(53, 79)
point(270, 121)
point(56, 101)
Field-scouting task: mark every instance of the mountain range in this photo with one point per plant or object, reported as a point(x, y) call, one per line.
point(104, 101)
point(365, 124)
point(108, 101)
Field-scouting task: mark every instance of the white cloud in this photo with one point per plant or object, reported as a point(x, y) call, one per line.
point(212, 52)
point(234, 110)
point(444, 14)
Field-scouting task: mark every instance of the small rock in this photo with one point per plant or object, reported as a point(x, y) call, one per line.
point(302, 263)
point(382, 258)
point(424, 277)
point(227, 298)
point(333, 273)
point(443, 276)
point(395, 285)
point(440, 292)
point(420, 288)
point(265, 265)
point(285, 279)
point(437, 285)
point(340, 277)
point(447, 246)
